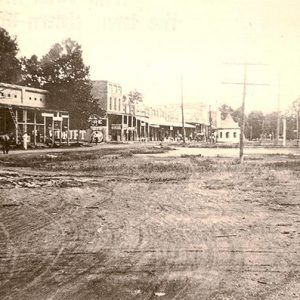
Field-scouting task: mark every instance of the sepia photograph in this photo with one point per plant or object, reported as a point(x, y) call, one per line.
point(149, 149)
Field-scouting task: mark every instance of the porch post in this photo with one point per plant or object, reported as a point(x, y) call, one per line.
point(34, 128)
point(132, 132)
point(68, 131)
point(17, 126)
point(122, 129)
point(25, 120)
point(45, 130)
point(53, 138)
point(60, 134)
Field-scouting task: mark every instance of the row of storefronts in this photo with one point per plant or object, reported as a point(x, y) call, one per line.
point(129, 120)
point(24, 111)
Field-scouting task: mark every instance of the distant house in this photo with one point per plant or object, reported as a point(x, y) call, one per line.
point(228, 131)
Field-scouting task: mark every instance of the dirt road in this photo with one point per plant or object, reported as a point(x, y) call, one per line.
point(125, 227)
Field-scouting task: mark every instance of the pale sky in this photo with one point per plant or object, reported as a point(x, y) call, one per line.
point(148, 44)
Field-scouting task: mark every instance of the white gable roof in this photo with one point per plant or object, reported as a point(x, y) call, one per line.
point(228, 123)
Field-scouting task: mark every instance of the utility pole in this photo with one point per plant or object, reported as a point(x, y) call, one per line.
point(296, 108)
point(245, 84)
point(210, 124)
point(284, 131)
point(297, 115)
point(182, 111)
point(278, 116)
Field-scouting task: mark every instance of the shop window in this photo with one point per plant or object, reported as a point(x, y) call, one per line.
point(39, 117)
point(30, 116)
point(20, 115)
point(227, 135)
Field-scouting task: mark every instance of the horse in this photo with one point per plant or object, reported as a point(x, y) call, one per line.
point(5, 141)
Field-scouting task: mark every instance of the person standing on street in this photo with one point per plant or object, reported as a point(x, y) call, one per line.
point(25, 140)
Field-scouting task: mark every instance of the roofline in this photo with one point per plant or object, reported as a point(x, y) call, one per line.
point(228, 128)
point(107, 81)
point(21, 87)
point(3, 105)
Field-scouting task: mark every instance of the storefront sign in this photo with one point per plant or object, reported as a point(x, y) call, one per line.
point(95, 128)
point(47, 115)
point(116, 126)
point(98, 121)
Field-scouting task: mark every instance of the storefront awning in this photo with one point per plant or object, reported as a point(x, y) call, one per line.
point(170, 124)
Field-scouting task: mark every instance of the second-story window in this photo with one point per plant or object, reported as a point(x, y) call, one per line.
point(115, 104)
point(119, 104)
point(110, 103)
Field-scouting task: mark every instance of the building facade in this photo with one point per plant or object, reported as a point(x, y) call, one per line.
point(125, 122)
point(228, 130)
point(26, 110)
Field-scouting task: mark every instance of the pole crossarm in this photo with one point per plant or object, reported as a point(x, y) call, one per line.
point(248, 83)
point(243, 64)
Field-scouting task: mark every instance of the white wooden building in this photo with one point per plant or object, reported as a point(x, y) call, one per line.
point(228, 131)
point(25, 110)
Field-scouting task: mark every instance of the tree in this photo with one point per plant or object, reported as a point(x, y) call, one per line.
point(291, 127)
point(296, 109)
point(135, 96)
point(225, 110)
point(270, 124)
point(9, 64)
point(255, 120)
point(66, 77)
point(236, 114)
point(32, 73)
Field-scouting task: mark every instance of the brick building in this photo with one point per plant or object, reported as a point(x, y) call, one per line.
point(125, 122)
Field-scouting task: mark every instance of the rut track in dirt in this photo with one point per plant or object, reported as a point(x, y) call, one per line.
point(136, 238)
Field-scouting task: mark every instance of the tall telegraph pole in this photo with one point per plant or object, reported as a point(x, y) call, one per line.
point(182, 111)
point(278, 116)
point(245, 84)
